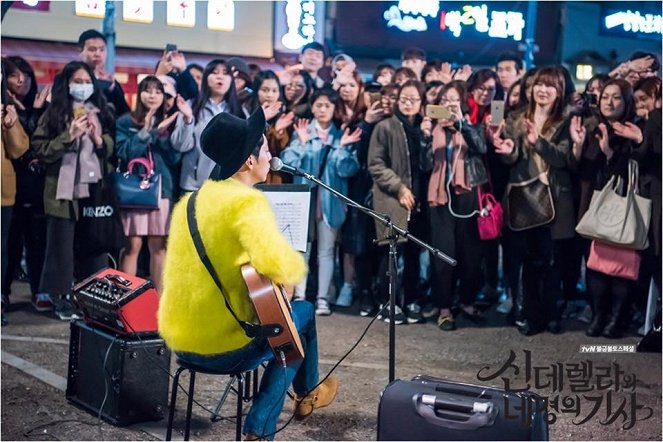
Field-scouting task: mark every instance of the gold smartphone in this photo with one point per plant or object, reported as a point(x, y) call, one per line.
point(79, 111)
point(438, 112)
point(374, 96)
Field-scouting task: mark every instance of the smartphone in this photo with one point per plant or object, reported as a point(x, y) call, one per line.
point(171, 47)
point(496, 112)
point(374, 97)
point(79, 111)
point(438, 112)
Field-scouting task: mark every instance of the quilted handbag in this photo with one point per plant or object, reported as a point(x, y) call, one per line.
point(138, 190)
point(619, 220)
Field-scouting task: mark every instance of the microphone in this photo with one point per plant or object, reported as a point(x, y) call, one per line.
point(277, 165)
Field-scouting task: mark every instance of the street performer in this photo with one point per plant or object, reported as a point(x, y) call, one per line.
point(237, 226)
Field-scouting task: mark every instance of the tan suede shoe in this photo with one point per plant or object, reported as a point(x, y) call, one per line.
point(318, 398)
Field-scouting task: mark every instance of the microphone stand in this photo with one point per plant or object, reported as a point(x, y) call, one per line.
point(394, 232)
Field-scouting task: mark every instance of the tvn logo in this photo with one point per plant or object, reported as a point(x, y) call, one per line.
point(607, 348)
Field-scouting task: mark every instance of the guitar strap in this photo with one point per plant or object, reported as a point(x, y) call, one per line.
point(252, 330)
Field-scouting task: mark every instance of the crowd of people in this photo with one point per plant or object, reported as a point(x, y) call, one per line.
point(426, 142)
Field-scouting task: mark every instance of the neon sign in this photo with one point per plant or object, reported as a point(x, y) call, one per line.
point(298, 23)
point(410, 16)
point(634, 22)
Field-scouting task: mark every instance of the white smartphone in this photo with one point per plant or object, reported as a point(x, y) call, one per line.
point(496, 112)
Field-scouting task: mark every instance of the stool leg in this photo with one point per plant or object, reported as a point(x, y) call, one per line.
point(240, 400)
point(215, 416)
point(189, 405)
point(173, 401)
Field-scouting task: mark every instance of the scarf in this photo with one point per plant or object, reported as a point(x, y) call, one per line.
point(80, 166)
point(443, 139)
point(413, 137)
point(475, 111)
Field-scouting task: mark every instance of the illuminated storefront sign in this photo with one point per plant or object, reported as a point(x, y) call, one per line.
point(297, 23)
point(221, 15)
point(633, 22)
point(32, 5)
point(139, 11)
point(181, 13)
point(415, 16)
point(89, 8)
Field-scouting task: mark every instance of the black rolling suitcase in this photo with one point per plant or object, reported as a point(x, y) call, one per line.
point(428, 408)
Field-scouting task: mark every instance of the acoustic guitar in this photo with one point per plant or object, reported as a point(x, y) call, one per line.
point(273, 307)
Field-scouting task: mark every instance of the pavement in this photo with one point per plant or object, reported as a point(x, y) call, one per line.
point(597, 389)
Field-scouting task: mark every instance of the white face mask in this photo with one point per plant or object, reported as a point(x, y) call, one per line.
point(81, 92)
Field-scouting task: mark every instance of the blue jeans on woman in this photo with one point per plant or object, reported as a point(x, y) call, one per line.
point(267, 405)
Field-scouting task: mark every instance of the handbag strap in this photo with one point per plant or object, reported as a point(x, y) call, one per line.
point(633, 176)
point(451, 175)
point(252, 330)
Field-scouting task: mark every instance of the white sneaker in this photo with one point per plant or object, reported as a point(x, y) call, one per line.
point(322, 307)
point(505, 306)
point(344, 298)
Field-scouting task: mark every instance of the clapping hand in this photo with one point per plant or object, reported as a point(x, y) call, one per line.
point(301, 127)
point(284, 121)
point(9, 116)
point(42, 97)
point(578, 131)
point(271, 109)
point(350, 138)
point(628, 130)
point(184, 109)
point(166, 122)
point(602, 137)
point(531, 133)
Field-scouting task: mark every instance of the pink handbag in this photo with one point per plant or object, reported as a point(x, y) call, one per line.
point(491, 216)
point(614, 261)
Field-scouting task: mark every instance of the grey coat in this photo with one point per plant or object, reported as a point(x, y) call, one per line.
point(389, 166)
point(554, 147)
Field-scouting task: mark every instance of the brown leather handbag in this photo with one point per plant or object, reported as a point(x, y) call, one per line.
point(529, 203)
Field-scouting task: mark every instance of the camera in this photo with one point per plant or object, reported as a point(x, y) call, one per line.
point(589, 100)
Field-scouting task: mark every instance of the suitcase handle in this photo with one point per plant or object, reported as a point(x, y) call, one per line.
point(455, 416)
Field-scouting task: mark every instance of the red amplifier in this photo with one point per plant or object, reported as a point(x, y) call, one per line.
point(122, 303)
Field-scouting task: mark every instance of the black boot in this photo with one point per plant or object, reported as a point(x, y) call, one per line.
point(617, 324)
point(600, 309)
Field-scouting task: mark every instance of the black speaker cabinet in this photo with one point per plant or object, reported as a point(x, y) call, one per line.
point(129, 376)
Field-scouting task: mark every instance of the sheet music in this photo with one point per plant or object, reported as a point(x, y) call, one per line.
point(291, 205)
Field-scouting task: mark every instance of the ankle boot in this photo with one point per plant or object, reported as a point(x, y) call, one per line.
point(617, 323)
point(600, 308)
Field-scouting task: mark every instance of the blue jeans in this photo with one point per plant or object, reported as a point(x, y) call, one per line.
point(267, 405)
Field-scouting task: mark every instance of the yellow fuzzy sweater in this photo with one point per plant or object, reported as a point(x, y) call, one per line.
point(237, 226)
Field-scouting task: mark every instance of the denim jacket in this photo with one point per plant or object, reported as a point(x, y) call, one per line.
point(341, 164)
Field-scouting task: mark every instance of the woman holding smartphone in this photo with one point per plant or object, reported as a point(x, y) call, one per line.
point(73, 138)
point(453, 205)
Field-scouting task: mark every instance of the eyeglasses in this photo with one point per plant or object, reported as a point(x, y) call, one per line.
point(487, 90)
point(295, 86)
point(409, 100)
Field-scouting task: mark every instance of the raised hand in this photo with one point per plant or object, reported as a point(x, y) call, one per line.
point(494, 132)
point(271, 109)
point(602, 137)
point(284, 121)
point(374, 113)
point(177, 61)
point(628, 130)
point(464, 73)
point(531, 133)
point(427, 126)
point(166, 122)
point(445, 73)
point(42, 97)
point(9, 116)
point(641, 64)
point(148, 123)
point(578, 131)
point(165, 65)
point(350, 138)
point(79, 127)
point(94, 131)
point(406, 198)
point(503, 146)
point(301, 127)
point(184, 109)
